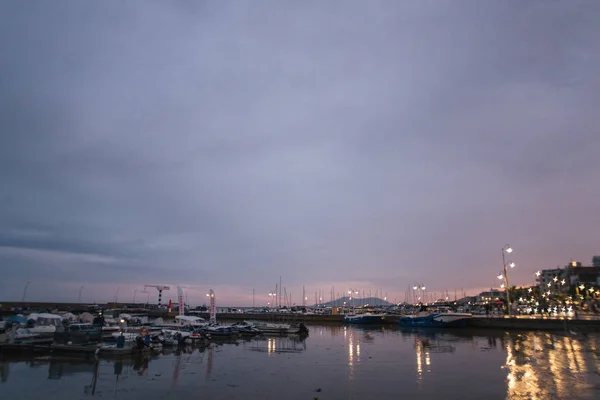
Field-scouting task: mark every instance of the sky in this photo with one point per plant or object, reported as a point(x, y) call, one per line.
point(346, 144)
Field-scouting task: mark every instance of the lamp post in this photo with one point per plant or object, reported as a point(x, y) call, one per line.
point(421, 289)
point(79, 297)
point(272, 296)
point(507, 249)
point(25, 292)
point(117, 294)
point(351, 292)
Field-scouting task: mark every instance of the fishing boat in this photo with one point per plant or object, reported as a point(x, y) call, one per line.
point(366, 319)
point(438, 320)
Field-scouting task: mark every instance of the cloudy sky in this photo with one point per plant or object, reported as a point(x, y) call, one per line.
point(357, 144)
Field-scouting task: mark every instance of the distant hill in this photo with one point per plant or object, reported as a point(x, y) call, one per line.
point(371, 301)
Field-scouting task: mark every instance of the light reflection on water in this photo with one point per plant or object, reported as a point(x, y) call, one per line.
point(341, 361)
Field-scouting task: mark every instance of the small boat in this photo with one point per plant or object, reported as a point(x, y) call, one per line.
point(438, 320)
point(281, 329)
point(367, 319)
point(46, 323)
point(220, 330)
point(246, 328)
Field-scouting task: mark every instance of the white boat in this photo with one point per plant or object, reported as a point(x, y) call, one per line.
point(46, 323)
point(272, 328)
point(221, 330)
point(191, 321)
point(24, 333)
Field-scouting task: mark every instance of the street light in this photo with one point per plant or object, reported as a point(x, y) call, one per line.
point(507, 249)
point(25, 291)
point(79, 297)
point(421, 288)
point(272, 295)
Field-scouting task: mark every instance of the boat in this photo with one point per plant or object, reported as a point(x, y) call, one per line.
point(220, 330)
point(367, 318)
point(191, 321)
point(438, 320)
point(46, 323)
point(281, 329)
point(246, 328)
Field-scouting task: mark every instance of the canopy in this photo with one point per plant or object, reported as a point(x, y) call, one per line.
point(68, 316)
point(47, 316)
point(19, 319)
point(189, 318)
point(87, 317)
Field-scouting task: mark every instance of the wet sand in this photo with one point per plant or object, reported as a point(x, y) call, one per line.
point(334, 362)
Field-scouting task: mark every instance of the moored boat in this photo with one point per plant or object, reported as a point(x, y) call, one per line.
point(439, 320)
point(368, 319)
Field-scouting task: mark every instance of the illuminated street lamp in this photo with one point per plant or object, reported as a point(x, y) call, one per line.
point(421, 288)
point(507, 249)
point(271, 295)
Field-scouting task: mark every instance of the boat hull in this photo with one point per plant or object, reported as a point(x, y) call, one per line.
point(436, 321)
point(364, 319)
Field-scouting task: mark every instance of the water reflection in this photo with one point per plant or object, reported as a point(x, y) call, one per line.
point(364, 360)
point(543, 365)
point(277, 344)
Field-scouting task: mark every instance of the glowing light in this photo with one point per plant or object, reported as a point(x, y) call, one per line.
point(530, 290)
point(555, 279)
point(512, 264)
point(549, 284)
point(538, 273)
point(502, 286)
point(563, 282)
point(581, 287)
point(509, 250)
point(500, 276)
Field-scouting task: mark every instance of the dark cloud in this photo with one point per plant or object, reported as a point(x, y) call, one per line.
point(334, 144)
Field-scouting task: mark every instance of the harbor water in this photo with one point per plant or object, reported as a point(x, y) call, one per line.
point(334, 362)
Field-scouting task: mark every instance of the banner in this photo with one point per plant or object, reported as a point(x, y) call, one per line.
point(213, 314)
point(180, 298)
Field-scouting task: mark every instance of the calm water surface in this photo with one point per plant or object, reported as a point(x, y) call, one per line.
point(332, 363)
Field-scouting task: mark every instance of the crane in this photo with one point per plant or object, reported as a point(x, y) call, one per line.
point(160, 289)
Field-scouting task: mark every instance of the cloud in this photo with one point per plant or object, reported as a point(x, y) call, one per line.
point(225, 145)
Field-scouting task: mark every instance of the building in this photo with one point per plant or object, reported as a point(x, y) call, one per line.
point(556, 279)
point(494, 295)
point(596, 261)
point(585, 275)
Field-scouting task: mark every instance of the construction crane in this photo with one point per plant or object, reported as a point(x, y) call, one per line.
point(160, 289)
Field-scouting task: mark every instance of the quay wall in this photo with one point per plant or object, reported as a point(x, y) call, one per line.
point(528, 324)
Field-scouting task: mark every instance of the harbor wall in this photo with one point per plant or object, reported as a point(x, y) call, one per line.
point(528, 324)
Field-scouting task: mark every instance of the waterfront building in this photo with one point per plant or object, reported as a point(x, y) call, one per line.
point(494, 295)
point(552, 279)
